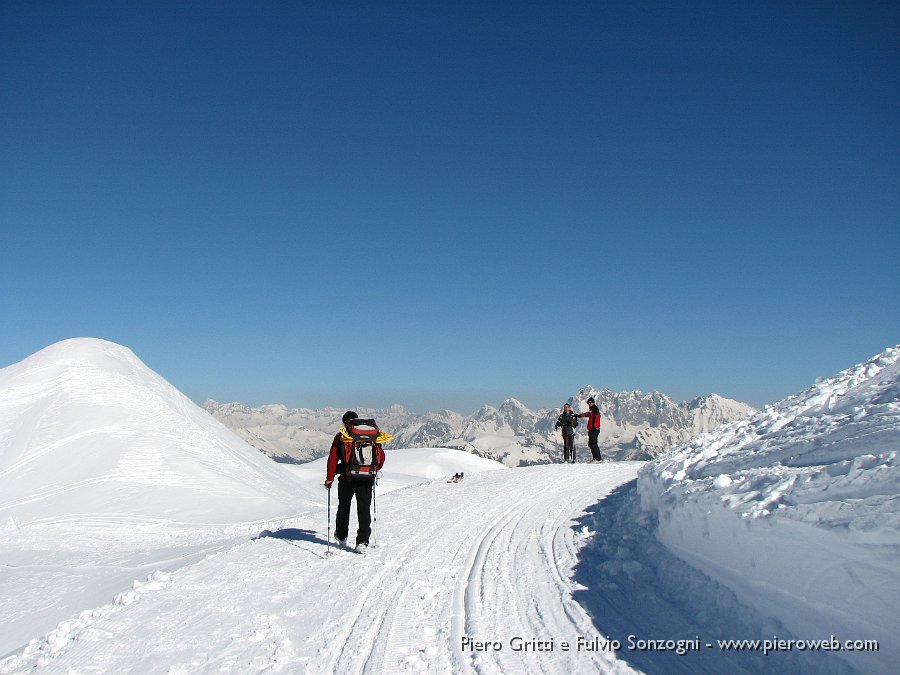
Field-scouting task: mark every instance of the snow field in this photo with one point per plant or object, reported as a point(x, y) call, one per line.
point(490, 557)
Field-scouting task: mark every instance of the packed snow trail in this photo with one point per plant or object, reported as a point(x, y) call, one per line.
point(488, 559)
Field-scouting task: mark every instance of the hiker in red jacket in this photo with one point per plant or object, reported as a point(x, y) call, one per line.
point(339, 463)
point(593, 426)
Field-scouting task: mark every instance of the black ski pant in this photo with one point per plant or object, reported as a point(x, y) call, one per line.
point(569, 446)
point(593, 435)
point(347, 490)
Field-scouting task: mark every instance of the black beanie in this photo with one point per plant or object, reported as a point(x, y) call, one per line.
point(349, 415)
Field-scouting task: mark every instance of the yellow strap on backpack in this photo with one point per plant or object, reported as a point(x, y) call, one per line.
point(382, 437)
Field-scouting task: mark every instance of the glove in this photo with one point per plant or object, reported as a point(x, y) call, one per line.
point(328, 484)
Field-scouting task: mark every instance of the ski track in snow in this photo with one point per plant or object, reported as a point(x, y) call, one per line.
point(490, 558)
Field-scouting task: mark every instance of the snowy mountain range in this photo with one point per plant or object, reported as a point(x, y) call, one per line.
point(635, 426)
point(138, 534)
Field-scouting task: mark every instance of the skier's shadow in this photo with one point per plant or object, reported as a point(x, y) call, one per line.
point(292, 535)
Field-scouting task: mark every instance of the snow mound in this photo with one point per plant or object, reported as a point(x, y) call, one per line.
point(91, 437)
point(796, 507)
point(405, 467)
point(437, 463)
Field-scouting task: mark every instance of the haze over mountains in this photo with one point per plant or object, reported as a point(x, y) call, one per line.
point(636, 425)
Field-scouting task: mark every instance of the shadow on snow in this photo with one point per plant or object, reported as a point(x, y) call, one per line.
point(633, 586)
point(292, 535)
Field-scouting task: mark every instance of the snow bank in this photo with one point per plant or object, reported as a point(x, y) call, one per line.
point(796, 508)
point(93, 441)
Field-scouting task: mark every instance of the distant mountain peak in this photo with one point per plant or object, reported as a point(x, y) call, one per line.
point(512, 404)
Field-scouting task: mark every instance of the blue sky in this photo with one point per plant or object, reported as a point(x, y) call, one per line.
point(445, 204)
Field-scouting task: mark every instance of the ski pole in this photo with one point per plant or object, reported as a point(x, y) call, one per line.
point(328, 524)
point(375, 514)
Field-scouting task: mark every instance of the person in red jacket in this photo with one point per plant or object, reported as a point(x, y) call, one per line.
point(593, 426)
point(339, 463)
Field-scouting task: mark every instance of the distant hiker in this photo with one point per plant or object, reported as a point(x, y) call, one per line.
point(354, 480)
point(455, 478)
point(567, 421)
point(593, 426)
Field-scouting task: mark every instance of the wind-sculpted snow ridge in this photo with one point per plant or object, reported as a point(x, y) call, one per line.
point(637, 591)
point(796, 508)
point(94, 439)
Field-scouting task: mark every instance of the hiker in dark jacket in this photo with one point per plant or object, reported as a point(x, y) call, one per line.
point(339, 460)
point(567, 421)
point(593, 426)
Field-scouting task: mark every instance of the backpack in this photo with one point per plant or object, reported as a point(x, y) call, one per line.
point(364, 436)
